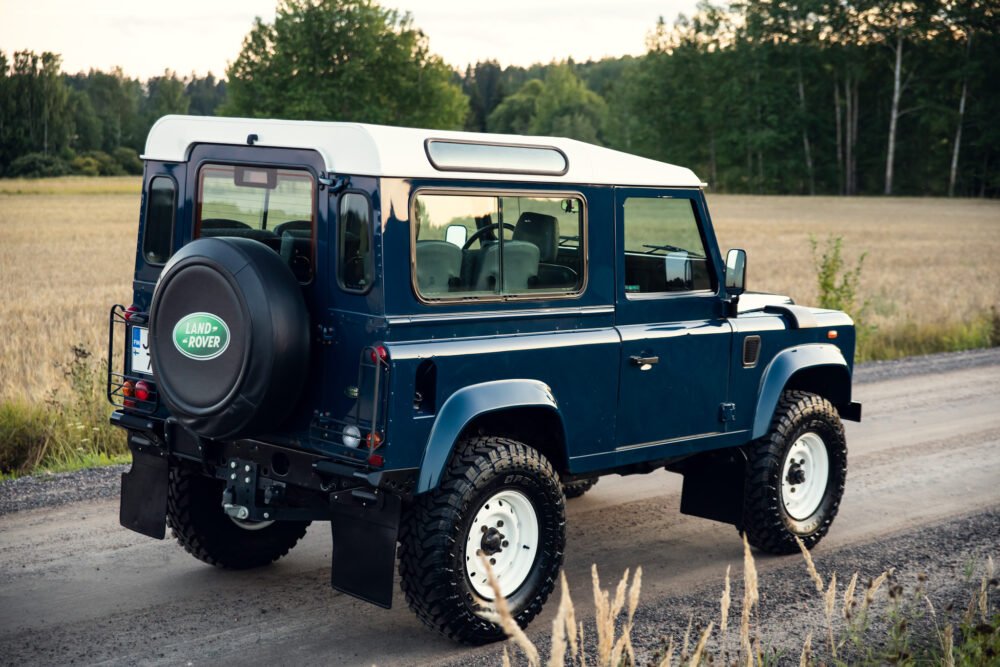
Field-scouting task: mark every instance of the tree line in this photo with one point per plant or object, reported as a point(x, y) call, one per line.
point(94, 123)
point(769, 96)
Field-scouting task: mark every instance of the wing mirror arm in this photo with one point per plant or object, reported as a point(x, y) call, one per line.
point(736, 278)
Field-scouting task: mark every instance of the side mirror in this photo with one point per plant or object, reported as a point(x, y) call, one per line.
point(736, 272)
point(456, 235)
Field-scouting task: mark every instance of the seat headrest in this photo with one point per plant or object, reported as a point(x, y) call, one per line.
point(540, 229)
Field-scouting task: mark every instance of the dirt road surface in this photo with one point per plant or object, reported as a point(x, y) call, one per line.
point(75, 587)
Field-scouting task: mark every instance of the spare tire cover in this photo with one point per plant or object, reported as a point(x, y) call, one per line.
point(228, 337)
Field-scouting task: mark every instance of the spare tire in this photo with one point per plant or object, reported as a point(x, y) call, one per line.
point(228, 337)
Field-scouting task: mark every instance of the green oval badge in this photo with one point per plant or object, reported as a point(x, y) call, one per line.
point(201, 336)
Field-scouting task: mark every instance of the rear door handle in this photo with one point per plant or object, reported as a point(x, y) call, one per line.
point(644, 363)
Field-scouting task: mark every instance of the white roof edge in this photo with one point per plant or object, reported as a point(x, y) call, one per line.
point(379, 150)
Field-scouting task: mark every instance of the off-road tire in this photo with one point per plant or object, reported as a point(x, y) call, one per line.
point(767, 524)
point(579, 487)
point(434, 529)
point(194, 513)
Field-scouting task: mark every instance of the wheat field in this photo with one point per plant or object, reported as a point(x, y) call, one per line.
point(67, 248)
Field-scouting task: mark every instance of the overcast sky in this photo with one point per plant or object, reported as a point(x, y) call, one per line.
point(145, 38)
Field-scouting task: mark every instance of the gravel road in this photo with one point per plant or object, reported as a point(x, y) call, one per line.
point(923, 494)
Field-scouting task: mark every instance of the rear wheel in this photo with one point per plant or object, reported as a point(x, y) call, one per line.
point(795, 475)
point(194, 512)
point(498, 499)
point(579, 487)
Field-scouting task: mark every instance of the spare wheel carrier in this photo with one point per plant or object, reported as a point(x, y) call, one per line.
point(228, 337)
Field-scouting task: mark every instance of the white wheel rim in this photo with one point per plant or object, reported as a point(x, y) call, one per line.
point(505, 531)
point(804, 476)
point(250, 525)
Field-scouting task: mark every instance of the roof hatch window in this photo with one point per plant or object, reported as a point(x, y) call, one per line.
point(506, 158)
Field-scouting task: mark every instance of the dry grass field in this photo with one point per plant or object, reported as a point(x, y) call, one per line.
point(67, 247)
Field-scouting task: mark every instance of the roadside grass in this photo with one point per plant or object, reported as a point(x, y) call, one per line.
point(67, 431)
point(880, 621)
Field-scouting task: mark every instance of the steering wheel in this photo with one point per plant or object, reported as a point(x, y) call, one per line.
point(480, 232)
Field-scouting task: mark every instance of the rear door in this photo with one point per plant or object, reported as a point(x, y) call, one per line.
point(675, 338)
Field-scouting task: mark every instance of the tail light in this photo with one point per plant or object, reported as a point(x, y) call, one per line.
point(143, 390)
point(379, 353)
point(128, 391)
point(131, 311)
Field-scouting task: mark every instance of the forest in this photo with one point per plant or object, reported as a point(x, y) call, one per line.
point(852, 97)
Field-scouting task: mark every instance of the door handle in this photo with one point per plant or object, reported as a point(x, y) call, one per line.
point(644, 363)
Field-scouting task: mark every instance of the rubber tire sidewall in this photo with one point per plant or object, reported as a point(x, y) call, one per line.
point(484, 467)
point(201, 526)
point(579, 487)
point(767, 523)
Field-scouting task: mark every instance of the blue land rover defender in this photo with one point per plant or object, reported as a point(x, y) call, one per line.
point(432, 339)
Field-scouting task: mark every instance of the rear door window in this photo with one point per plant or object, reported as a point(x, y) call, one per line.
point(275, 206)
point(161, 204)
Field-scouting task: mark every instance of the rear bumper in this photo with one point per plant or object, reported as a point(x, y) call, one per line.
point(276, 465)
point(264, 481)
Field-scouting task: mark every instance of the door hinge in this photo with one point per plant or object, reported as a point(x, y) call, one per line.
point(727, 412)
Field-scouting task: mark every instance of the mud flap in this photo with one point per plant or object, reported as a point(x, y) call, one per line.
point(144, 495)
point(364, 546)
point(713, 487)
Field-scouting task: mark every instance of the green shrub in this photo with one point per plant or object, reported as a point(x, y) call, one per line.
point(106, 165)
point(85, 166)
point(838, 284)
point(128, 160)
point(37, 165)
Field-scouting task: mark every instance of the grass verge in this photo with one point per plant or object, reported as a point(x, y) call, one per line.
point(912, 339)
point(67, 431)
point(876, 622)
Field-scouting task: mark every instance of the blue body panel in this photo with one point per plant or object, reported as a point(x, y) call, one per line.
point(568, 355)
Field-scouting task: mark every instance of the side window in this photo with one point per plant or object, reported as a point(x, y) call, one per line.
point(354, 234)
point(493, 246)
point(161, 205)
point(664, 251)
point(273, 206)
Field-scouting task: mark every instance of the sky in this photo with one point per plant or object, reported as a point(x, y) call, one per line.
point(198, 36)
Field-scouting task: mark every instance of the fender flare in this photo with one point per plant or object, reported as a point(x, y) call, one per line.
point(781, 369)
point(465, 405)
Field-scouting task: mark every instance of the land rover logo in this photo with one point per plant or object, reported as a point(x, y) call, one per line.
point(201, 336)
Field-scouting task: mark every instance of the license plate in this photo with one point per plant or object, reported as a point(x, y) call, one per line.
point(140, 351)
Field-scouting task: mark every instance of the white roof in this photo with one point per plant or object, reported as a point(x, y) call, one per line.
point(378, 150)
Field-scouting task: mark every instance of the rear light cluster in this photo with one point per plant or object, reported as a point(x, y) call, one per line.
point(379, 354)
point(136, 392)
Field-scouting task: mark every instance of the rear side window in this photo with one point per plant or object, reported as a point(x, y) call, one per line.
point(161, 204)
point(274, 206)
point(664, 250)
point(493, 246)
point(354, 234)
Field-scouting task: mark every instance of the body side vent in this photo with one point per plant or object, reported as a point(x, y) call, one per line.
point(751, 351)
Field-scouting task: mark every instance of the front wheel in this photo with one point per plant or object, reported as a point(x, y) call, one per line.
point(795, 475)
point(501, 500)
